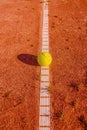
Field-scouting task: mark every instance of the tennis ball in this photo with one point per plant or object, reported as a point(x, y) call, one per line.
point(44, 59)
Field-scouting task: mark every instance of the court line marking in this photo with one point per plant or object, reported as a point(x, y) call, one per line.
point(44, 107)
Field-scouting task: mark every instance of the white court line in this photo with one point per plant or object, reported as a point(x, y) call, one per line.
point(45, 78)
point(45, 129)
point(44, 111)
point(45, 72)
point(44, 121)
point(45, 47)
point(44, 101)
point(44, 85)
point(44, 108)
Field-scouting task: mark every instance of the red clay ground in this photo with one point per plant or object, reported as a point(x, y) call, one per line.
point(68, 45)
point(19, 73)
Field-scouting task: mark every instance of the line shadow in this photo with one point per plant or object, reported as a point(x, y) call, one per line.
point(28, 59)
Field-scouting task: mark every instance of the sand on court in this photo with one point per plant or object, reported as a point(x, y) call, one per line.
point(68, 45)
point(19, 71)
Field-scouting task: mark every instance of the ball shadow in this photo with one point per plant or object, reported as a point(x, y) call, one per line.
point(28, 59)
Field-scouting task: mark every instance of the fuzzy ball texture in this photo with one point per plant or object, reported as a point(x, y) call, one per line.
point(44, 59)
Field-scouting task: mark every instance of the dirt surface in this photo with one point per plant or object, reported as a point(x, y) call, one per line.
point(19, 71)
point(20, 42)
point(68, 45)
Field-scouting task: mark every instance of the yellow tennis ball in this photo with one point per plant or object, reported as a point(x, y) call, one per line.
point(44, 59)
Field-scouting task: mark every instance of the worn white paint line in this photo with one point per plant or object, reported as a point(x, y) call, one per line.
point(45, 44)
point(45, 121)
point(45, 41)
point(44, 128)
point(44, 72)
point(44, 78)
point(44, 92)
point(45, 37)
point(44, 101)
point(44, 111)
point(45, 67)
point(44, 108)
point(45, 47)
point(44, 85)
point(45, 50)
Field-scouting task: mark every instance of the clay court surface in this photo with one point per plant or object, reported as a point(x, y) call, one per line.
point(20, 43)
